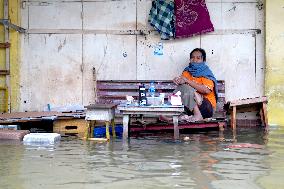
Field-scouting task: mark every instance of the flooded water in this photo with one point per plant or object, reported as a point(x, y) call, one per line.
point(250, 158)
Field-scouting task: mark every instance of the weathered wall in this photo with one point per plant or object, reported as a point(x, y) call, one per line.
point(66, 39)
point(274, 84)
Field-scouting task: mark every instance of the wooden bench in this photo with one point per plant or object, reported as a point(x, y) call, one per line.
point(115, 91)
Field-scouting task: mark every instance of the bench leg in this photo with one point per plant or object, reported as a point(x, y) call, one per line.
point(233, 117)
point(125, 126)
point(221, 126)
point(113, 128)
point(176, 129)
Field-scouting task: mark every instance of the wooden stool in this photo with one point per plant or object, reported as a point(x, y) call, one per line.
point(247, 105)
point(73, 126)
point(100, 112)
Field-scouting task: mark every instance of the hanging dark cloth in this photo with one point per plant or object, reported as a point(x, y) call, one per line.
point(192, 18)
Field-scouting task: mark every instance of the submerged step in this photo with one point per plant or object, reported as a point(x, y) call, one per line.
point(13, 134)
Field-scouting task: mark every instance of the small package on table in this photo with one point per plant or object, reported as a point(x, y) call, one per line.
point(175, 99)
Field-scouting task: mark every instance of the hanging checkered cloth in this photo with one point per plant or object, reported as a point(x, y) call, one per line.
point(161, 17)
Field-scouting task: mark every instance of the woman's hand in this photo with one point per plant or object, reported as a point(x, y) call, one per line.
point(176, 80)
point(179, 80)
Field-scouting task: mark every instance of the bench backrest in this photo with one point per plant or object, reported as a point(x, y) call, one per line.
point(115, 91)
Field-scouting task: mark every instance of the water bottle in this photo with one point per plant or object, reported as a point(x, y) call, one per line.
point(152, 89)
point(142, 95)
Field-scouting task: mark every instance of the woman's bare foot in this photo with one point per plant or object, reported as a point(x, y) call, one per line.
point(164, 118)
point(187, 118)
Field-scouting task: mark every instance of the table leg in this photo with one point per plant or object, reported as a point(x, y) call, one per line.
point(113, 128)
point(176, 129)
point(87, 132)
point(125, 126)
point(264, 113)
point(107, 130)
point(93, 124)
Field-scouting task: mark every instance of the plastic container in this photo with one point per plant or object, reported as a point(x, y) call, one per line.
point(100, 131)
point(41, 138)
point(154, 101)
point(162, 98)
point(152, 89)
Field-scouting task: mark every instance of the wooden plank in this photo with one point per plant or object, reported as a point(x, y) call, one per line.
point(4, 72)
point(248, 101)
point(110, 100)
point(249, 108)
point(193, 125)
point(116, 94)
point(103, 85)
point(120, 94)
point(101, 106)
point(98, 139)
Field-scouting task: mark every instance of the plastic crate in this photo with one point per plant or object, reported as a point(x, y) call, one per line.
point(100, 131)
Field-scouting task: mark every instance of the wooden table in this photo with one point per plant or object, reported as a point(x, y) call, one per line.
point(247, 105)
point(101, 112)
point(167, 110)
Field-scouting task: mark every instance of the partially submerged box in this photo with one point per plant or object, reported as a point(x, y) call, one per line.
point(46, 138)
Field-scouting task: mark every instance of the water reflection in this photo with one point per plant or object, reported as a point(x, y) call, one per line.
point(209, 159)
point(275, 159)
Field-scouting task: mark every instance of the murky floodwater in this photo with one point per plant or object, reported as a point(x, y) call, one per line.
point(250, 159)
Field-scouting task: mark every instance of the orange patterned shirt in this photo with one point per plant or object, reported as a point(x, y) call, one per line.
point(204, 81)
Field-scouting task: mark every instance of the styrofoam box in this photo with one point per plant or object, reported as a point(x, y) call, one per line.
point(49, 138)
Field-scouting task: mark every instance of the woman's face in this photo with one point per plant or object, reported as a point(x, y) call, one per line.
point(196, 57)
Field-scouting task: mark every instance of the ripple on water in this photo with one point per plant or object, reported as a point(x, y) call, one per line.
point(202, 161)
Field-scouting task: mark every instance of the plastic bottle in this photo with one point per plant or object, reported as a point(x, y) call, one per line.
point(152, 89)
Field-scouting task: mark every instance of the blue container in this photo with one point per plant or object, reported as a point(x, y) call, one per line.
point(100, 131)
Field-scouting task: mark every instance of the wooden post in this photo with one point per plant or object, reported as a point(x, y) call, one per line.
point(233, 117)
